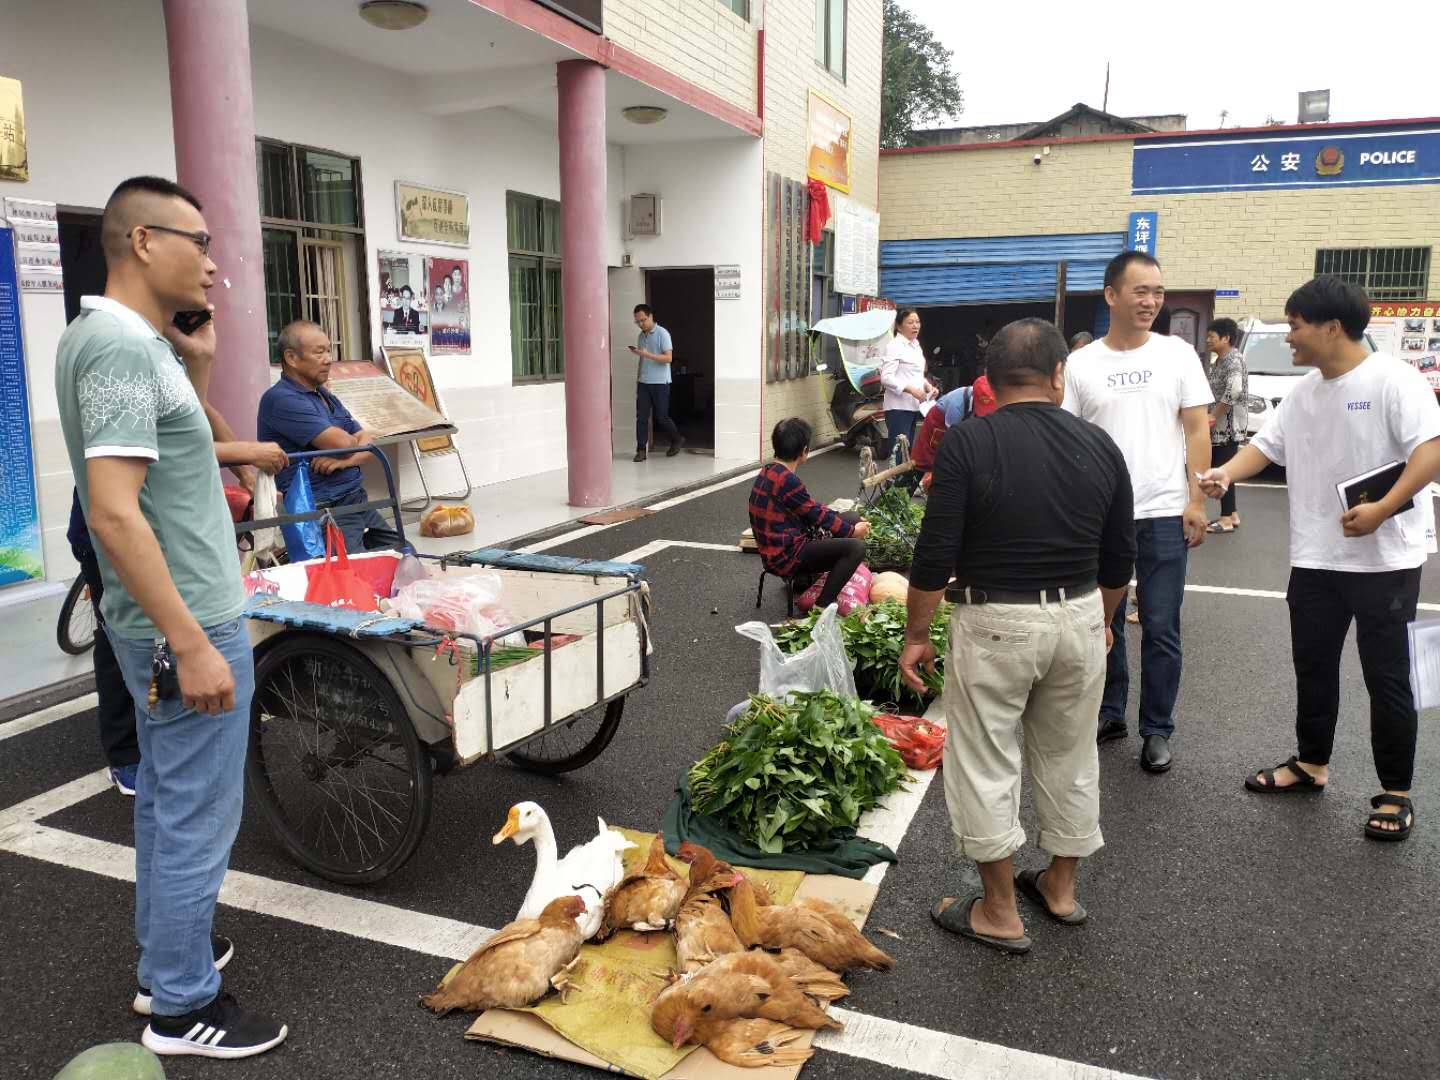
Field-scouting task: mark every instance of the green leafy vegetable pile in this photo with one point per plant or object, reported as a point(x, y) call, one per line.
point(894, 527)
point(873, 637)
point(789, 773)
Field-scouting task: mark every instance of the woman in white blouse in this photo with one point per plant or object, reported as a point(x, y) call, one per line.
point(902, 373)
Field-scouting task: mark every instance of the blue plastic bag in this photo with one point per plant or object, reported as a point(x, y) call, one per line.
point(304, 540)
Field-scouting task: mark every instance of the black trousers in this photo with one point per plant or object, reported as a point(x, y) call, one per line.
point(1322, 605)
point(115, 714)
point(653, 398)
point(837, 556)
point(1220, 453)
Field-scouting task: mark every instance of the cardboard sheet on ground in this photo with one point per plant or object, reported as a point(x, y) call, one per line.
point(606, 1024)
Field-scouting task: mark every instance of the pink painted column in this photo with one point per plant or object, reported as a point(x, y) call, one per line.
point(214, 115)
point(585, 281)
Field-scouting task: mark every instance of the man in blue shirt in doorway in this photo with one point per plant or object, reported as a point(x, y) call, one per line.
point(652, 387)
point(300, 413)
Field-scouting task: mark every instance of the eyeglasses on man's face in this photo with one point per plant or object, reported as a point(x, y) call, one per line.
point(200, 239)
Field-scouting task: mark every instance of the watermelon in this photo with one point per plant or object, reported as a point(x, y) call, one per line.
point(113, 1061)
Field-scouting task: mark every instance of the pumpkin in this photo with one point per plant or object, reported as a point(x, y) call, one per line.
point(889, 586)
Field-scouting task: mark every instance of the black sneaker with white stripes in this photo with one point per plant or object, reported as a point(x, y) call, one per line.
point(224, 950)
point(221, 1029)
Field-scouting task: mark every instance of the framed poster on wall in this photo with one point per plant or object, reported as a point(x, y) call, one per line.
point(404, 305)
point(447, 283)
point(428, 215)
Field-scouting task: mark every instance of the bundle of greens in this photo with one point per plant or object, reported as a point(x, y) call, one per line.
point(874, 636)
point(790, 773)
point(894, 520)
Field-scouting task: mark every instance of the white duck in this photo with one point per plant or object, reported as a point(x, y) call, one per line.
point(595, 864)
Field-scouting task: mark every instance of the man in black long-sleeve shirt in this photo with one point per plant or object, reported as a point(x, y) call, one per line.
point(1031, 511)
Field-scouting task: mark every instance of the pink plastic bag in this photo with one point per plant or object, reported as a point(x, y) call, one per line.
point(856, 592)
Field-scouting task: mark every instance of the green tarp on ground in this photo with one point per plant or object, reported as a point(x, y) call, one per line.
point(847, 855)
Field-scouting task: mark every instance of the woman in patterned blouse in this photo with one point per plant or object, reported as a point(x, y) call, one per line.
point(1229, 417)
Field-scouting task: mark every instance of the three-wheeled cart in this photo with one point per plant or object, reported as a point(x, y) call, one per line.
point(355, 712)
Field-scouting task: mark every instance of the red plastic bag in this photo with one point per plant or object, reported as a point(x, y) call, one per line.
point(333, 583)
point(856, 592)
point(377, 571)
point(920, 742)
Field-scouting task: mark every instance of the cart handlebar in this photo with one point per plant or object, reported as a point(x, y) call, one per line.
point(393, 502)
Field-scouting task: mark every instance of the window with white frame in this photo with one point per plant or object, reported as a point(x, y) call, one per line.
point(830, 36)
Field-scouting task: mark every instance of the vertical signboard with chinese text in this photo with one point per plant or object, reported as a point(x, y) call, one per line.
point(1143, 232)
point(21, 555)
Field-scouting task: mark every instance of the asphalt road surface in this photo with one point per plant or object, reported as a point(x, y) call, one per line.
point(1231, 935)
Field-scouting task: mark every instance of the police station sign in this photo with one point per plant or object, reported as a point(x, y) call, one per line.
point(1295, 160)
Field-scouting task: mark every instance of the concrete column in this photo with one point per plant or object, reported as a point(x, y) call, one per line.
point(584, 281)
point(214, 116)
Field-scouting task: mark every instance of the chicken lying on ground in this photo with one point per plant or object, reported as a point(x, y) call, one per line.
point(819, 930)
point(814, 980)
point(518, 965)
point(746, 984)
point(719, 1006)
point(702, 928)
point(647, 899)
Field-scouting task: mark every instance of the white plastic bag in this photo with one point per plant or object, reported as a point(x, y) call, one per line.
point(463, 603)
point(266, 543)
point(821, 665)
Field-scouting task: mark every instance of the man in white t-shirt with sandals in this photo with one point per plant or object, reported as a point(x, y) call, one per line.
point(1150, 394)
point(1357, 412)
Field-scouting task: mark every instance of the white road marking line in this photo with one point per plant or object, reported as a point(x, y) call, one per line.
point(888, 823)
point(644, 551)
point(1264, 594)
point(62, 711)
point(367, 919)
point(949, 1057)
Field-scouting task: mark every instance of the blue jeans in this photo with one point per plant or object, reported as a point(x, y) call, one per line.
point(187, 811)
point(1160, 589)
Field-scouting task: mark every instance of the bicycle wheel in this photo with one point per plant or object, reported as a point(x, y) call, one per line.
point(76, 630)
point(573, 742)
point(334, 761)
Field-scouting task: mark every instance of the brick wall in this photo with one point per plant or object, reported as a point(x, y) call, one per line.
point(700, 40)
point(1262, 243)
point(791, 72)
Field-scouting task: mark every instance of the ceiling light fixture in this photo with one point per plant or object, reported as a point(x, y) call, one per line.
point(394, 14)
point(644, 114)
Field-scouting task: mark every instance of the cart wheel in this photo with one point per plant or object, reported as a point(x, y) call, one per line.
point(571, 743)
point(75, 633)
point(335, 762)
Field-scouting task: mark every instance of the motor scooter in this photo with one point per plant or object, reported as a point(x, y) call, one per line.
point(857, 402)
point(859, 411)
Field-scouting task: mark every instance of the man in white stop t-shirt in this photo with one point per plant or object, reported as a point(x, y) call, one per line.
point(1358, 412)
point(1149, 392)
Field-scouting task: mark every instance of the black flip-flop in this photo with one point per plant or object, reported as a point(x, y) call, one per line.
point(1304, 784)
point(956, 919)
point(1028, 882)
point(1405, 819)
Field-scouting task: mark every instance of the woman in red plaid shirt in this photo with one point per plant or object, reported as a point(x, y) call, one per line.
point(793, 533)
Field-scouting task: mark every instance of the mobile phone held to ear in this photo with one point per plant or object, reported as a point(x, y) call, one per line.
point(187, 322)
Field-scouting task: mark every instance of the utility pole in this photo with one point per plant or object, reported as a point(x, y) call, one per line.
point(1105, 103)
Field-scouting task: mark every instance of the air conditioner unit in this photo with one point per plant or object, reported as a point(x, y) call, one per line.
point(644, 218)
